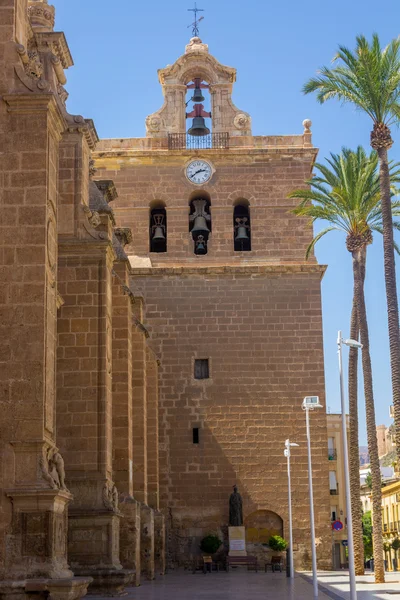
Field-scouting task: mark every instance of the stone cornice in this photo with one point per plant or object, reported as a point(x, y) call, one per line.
point(85, 249)
point(57, 43)
point(86, 127)
point(220, 270)
point(37, 103)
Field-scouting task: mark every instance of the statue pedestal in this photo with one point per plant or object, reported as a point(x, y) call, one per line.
point(237, 541)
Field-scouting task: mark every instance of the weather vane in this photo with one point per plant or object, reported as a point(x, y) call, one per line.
point(195, 25)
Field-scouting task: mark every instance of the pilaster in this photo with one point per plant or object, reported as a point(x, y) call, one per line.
point(33, 480)
point(139, 392)
point(152, 429)
point(147, 541)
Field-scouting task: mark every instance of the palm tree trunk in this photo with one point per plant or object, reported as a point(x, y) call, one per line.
point(354, 457)
point(358, 261)
point(391, 288)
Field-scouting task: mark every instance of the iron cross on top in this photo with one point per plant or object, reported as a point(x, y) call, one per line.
point(195, 25)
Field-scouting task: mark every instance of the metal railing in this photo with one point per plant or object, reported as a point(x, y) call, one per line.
point(335, 492)
point(332, 454)
point(385, 527)
point(184, 141)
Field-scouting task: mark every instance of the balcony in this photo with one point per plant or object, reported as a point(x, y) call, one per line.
point(335, 492)
point(332, 454)
point(385, 528)
point(183, 141)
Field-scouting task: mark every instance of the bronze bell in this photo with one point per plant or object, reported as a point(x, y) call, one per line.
point(158, 235)
point(197, 96)
point(200, 245)
point(198, 127)
point(200, 227)
point(241, 234)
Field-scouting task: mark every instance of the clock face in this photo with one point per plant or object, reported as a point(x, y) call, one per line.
point(199, 171)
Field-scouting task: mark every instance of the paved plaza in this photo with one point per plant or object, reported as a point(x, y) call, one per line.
point(240, 584)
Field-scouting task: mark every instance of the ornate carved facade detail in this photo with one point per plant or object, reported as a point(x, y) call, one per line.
point(52, 468)
point(197, 63)
point(41, 15)
point(110, 495)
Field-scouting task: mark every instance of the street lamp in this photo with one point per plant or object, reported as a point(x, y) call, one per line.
point(310, 403)
point(288, 445)
point(350, 543)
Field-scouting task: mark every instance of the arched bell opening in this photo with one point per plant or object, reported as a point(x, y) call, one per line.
point(197, 101)
point(200, 220)
point(158, 226)
point(241, 226)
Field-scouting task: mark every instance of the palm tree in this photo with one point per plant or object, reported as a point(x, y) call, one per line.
point(369, 78)
point(346, 194)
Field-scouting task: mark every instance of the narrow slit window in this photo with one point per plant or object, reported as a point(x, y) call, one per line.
point(196, 435)
point(201, 369)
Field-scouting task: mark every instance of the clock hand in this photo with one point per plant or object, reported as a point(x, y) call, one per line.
point(199, 171)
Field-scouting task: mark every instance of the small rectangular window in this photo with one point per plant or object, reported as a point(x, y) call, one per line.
point(196, 438)
point(201, 370)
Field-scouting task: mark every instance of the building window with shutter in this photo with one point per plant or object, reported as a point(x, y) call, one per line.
point(201, 368)
point(333, 486)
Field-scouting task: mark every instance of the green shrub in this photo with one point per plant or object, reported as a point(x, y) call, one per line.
point(210, 544)
point(396, 544)
point(277, 543)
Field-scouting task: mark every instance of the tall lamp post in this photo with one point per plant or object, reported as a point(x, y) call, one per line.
point(310, 403)
point(288, 445)
point(350, 543)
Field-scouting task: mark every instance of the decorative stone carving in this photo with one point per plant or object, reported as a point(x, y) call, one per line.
point(62, 93)
point(153, 124)
point(307, 125)
point(241, 121)
point(33, 66)
point(110, 496)
point(124, 235)
point(196, 45)
point(52, 469)
point(92, 168)
point(41, 15)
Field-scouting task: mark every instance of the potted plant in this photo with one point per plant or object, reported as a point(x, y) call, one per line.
point(277, 544)
point(210, 544)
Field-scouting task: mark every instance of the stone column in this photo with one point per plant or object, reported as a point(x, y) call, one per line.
point(147, 541)
point(35, 497)
point(139, 422)
point(159, 543)
point(152, 429)
point(85, 401)
point(123, 457)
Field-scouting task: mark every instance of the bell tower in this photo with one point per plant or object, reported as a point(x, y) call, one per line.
point(233, 310)
point(197, 69)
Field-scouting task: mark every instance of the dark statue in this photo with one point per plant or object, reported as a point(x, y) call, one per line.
point(235, 508)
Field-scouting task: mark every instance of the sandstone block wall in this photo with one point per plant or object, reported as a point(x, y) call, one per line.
point(263, 178)
point(262, 335)
point(256, 317)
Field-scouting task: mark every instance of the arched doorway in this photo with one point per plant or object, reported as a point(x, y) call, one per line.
point(260, 526)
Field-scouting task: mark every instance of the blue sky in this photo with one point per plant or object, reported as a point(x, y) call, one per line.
point(118, 47)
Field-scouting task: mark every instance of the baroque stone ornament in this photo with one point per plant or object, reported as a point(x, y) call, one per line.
point(307, 125)
point(52, 469)
point(153, 124)
point(235, 508)
point(241, 121)
point(110, 495)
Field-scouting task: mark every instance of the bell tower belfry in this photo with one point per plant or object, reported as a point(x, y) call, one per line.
point(197, 63)
point(233, 309)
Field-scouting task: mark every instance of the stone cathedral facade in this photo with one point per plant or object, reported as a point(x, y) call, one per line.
point(159, 326)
